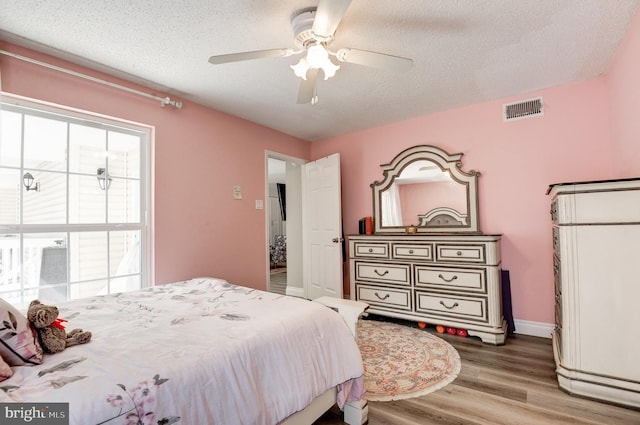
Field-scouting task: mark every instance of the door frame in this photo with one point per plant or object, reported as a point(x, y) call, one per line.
point(294, 234)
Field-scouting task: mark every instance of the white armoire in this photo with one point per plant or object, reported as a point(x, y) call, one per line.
point(596, 245)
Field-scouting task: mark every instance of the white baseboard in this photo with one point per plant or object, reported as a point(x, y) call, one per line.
point(526, 327)
point(295, 291)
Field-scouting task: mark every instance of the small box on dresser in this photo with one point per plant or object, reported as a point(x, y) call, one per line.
point(452, 280)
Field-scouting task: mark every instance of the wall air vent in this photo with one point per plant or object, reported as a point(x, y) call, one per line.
point(524, 109)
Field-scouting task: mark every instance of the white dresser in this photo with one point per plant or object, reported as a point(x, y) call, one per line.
point(450, 280)
point(596, 243)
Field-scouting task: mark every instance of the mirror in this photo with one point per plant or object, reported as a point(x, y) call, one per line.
point(424, 187)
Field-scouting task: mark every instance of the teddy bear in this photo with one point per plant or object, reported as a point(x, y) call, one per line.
point(50, 329)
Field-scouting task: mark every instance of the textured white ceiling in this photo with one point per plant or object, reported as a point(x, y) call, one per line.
point(465, 52)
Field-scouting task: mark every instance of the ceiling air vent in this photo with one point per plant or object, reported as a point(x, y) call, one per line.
point(525, 109)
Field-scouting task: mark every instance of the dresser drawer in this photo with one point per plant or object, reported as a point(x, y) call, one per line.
point(371, 249)
point(470, 280)
point(397, 274)
point(466, 308)
point(461, 253)
point(397, 299)
point(412, 251)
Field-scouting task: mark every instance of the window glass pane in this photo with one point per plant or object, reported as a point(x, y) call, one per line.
point(45, 143)
point(10, 135)
point(45, 265)
point(88, 256)
point(124, 155)
point(125, 257)
point(10, 182)
point(124, 252)
point(64, 154)
point(87, 149)
point(20, 299)
point(10, 275)
point(87, 202)
point(88, 289)
point(49, 204)
point(124, 201)
point(125, 284)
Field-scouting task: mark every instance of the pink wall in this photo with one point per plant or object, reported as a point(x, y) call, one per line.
point(623, 81)
point(518, 160)
point(199, 155)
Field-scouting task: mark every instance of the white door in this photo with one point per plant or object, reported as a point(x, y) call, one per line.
point(322, 228)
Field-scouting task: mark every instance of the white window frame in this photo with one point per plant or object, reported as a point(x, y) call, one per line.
point(146, 225)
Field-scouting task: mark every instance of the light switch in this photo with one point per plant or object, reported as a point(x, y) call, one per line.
point(237, 192)
point(259, 204)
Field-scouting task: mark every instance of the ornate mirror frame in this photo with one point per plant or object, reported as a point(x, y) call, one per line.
point(450, 220)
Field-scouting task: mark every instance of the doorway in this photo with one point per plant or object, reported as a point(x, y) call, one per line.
point(283, 215)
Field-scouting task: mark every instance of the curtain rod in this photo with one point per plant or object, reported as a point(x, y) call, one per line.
point(164, 101)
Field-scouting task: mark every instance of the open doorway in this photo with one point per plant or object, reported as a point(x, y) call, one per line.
point(284, 224)
point(277, 228)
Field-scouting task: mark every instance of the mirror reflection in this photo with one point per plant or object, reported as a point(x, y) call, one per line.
point(421, 194)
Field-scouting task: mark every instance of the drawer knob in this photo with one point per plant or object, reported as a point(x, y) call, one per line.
point(459, 253)
point(455, 304)
point(381, 274)
point(411, 251)
point(370, 249)
point(381, 298)
point(448, 280)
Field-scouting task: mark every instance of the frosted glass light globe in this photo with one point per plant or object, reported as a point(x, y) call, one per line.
point(317, 56)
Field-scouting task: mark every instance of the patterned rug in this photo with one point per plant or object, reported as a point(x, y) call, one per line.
point(403, 362)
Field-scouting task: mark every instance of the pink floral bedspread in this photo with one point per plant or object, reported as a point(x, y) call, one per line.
point(198, 352)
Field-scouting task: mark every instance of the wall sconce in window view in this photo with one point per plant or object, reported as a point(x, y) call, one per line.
point(103, 179)
point(29, 183)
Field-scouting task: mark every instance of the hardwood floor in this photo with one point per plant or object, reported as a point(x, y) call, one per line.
point(514, 384)
point(278, 281)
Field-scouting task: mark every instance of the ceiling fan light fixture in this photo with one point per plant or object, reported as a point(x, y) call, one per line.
point(317, 58)
point(301, 68)
point(317, 55)
point(329, 69)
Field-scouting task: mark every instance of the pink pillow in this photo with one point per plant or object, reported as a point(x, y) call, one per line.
point(19, 343)
point(5, 370)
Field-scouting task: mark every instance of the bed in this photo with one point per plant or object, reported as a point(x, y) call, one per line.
point(199, 352)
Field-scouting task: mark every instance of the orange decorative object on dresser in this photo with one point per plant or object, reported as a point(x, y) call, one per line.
point(368, 225)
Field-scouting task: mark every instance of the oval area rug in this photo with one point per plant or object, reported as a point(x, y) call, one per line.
point(403, 362)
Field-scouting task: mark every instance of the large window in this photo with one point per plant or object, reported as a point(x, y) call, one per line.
point(73, 205)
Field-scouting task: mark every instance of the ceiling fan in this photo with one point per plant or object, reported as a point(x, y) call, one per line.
point(314, 29)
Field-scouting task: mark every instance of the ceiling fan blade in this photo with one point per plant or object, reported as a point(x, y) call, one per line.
point(307, 91)
point(328, 16)
point(244, 56)
point(374, 59)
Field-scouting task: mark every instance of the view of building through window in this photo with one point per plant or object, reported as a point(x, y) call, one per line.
point(72, 205)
